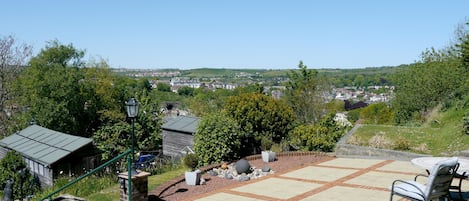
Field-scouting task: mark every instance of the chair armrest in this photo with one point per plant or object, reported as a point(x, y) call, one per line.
point(420, 175)
point(402, 181)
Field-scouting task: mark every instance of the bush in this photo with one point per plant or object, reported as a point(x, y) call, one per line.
point(354, 115)
point(402, 144)
point(10, 166)
point(191, 161)
point(377, 113)
point(355, 140)
point(379, 141)
point(217, 139)
point(320, 137)
point(465, 122)
point(310, 137)
point(422, 148)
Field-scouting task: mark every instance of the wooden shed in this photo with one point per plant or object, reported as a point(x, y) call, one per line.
point(48, 153)
point(178, 135)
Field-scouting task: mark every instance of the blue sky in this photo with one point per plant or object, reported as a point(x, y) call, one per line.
point(267, 34)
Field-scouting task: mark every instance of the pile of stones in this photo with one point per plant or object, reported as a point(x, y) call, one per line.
point(241, 171)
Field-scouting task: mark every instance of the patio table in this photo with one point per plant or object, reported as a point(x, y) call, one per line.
point(428, 162)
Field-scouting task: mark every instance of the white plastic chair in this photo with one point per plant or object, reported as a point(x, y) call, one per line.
point(437, 186)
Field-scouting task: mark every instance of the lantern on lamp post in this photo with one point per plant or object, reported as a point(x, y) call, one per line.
point(132, 112)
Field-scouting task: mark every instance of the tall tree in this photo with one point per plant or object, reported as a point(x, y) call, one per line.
point(50, 88)
point(114, 136)
point(13, 58)
point(305, 94)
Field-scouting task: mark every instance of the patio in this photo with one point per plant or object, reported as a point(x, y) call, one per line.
point(336, 179)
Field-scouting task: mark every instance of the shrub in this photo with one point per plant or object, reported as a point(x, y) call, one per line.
point(377, 113)
point(266, 143)
point(277, 147)
point(402, 144)
point(354, 115)
point(422, 148)
point(320, 137)
point(379, 141)
point(191, 161)
point(465, 122)
point(10, 166)
point(355, 140)
point(310, 137)
point(217, 139)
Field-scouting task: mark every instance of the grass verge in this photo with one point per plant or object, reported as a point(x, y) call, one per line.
point(440, 135)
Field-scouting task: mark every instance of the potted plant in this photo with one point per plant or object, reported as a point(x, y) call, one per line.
point(267, 154)
point(191, 161)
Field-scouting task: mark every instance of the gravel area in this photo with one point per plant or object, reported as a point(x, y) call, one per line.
point(182, 191)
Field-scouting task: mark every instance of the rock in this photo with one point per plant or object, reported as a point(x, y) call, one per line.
point(202, 181)
point(242, 166)
point(212, 173)
point(266, 168)
point(224, 166)
point(244, 178)
point(228, 176)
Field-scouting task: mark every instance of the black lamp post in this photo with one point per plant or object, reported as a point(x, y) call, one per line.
point(132, 112)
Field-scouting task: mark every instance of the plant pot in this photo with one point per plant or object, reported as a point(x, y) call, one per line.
point(268, 156)
point(193, 178)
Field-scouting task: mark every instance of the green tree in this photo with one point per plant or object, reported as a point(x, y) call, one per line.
point(13, 58)
point(424, 85)
point(144, 83)
point(217, 139)
point(163, 87)
point(50, 89)
point(377, 113)
point(305, 94)
point(207, 101)
point(260, 116)
point(186, 91)
point(114, 137)
point(14, 168)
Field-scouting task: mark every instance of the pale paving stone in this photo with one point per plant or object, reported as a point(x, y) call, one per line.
point(227, 197)
point(278, 188)
point(378, 179)
point(402, 166)
point(340, 193)
point(319, 173)
point(351, 162)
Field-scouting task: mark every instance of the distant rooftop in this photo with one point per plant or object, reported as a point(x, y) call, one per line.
point(44, 145)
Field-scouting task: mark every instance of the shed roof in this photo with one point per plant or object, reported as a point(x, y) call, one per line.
point(182, 123)
point(44, 145)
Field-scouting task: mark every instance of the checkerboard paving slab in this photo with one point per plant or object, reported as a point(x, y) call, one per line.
point(351, 163)
point(278, 188)
point(402, 166)
point(227, 197)
point(341, 193)
point(327, 174)
point(378, 179)
point(337, 179)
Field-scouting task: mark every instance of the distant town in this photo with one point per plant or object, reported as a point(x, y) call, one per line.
point(231, 79)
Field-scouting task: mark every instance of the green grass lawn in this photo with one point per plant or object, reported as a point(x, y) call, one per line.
point(440, 135)
point(107, 188)
point(112, 193)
